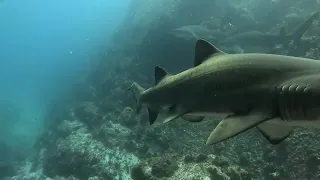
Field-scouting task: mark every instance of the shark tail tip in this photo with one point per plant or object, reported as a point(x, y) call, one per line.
point(136, 91)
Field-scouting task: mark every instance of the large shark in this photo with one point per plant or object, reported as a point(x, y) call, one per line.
point(274, 93)
point(268, 40)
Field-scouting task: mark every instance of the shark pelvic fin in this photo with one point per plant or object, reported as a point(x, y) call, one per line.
point(153, 114)
point(136, 91)
point(192, 118)
point(233, 125)
point(173, 113)
point(159, 74)
point(274, 133)
point(204, 50)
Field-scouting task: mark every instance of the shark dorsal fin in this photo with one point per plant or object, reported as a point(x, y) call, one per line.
point(204, 50)
point(159, 74)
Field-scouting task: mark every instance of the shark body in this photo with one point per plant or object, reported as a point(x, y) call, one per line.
point(257, 38)
point(274, 93)
point(268, 40)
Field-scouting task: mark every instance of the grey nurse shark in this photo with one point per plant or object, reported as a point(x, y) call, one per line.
point(274, 93)
point(267, 40)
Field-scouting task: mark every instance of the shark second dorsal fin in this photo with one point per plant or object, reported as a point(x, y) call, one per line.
point(159, 74)
point(204, 50)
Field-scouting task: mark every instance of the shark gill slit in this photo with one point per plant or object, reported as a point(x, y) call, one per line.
point(292, 104)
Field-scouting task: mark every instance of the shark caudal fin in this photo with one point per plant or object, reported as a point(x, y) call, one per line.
point(300, 30)
point(136, 91)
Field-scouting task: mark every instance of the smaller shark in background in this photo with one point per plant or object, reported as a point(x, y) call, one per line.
point(260, 39)
point(273, 93)
point(195, 32)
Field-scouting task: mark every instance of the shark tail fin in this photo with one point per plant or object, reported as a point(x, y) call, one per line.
point(300, 30)
point(136, 91)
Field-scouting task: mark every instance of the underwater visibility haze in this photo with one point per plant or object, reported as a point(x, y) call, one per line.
point(45, 48)
point(160, 90)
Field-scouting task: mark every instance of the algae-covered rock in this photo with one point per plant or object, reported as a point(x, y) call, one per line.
point(216, 173)
point(128, 117)
point(163, 168)
point(187, 167)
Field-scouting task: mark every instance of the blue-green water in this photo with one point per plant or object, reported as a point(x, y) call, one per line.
point(45, 47)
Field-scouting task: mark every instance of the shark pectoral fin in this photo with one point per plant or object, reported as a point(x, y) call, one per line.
point(274, 133)
point(153, 114)
point(233, 125)
point(192, 118)
point(174, 112)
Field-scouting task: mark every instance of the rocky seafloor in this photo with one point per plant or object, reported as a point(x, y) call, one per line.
point(100, 137)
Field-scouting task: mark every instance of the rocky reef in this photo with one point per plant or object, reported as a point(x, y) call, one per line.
point(200, 166)
point(100, 137)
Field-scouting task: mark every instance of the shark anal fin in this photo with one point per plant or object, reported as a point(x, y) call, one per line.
point(192, 118)
point(204, 50)
point(159, 74)
point(233, 125)
point(173, 113)
point(153, 114)
point(274, 133)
